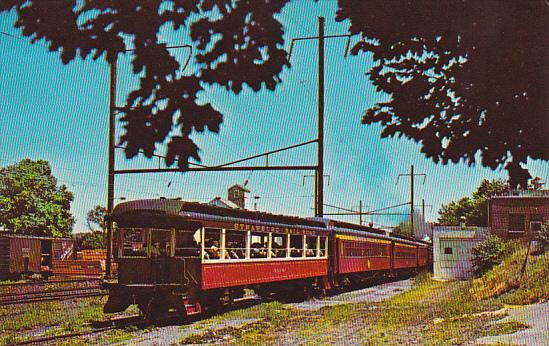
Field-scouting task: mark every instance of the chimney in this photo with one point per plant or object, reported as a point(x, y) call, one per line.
point(237, 194)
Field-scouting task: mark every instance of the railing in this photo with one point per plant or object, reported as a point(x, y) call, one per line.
point(524, 193)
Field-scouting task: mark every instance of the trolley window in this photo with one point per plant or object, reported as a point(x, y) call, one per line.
point(259, 245)
point(235, 243)
point(161, 243)
point(212, 243)
point(134, 242)
point(187, 243)
point(296, 245)
point(311, 246)
point(279, 245)
point(322, 251)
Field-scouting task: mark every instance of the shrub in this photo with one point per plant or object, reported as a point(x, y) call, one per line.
point(491, 252)
point(543, 235)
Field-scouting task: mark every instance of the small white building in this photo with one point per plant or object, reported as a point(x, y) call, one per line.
point(452, 246)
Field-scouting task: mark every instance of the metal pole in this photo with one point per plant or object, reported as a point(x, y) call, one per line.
point(319, 191)
point(412, 198)
point(360, 212)
point(110, 183)
point(423, 208)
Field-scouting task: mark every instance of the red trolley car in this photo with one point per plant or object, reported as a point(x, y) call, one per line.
point(184, 256)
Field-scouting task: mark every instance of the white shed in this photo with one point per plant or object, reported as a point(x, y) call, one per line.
point(452, 248)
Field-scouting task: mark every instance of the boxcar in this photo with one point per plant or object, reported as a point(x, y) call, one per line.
point(23, 254)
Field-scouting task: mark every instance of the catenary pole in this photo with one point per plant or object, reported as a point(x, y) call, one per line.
point(319, 188)
point(110, 182)
point(412, 198)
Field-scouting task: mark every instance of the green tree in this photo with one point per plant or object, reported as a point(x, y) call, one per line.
point(465, 79)
point(474, 211)
point(94, 240)
point(31, 202)
point(95, 218)
point(404, 228)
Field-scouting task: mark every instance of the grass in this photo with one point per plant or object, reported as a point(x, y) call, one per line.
point(26, 321)
point(401, 319)
point(505, 283)
point(431, 313)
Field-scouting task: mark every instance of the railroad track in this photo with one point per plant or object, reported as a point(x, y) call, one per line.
point(12, 298)
point(103, 326)
point(128, 321)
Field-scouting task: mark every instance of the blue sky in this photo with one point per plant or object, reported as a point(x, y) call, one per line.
point(59, 113)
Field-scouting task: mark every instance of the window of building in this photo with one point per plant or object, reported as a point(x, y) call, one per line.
point(448, 251)
point(516, 222)
point(536, 218)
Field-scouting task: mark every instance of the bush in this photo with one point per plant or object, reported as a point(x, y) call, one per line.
point(491, 252)
point(543, 235)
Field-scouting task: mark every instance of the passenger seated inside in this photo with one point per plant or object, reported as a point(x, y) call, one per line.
point(258, 251)
point(155, 250)
point(212, 250)
point(233, 249)
point(295, 252)
point(164, 250)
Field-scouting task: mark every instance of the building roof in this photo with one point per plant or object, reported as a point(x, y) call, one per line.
point(523, 194)
point(458, 232)
point(240, 187)
point(223, 203)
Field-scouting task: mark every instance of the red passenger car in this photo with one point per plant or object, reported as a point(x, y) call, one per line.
point(182, 256)
point(186, 256)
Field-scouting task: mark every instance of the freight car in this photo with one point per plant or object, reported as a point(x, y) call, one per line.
point(186, 257)
point(25, 255)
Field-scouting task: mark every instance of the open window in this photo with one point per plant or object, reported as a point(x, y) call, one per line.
point(187, 243)
point(212, 243)
point(133, 242)
point(161, 243)
point(323, 247)
point(296, 245)
point(235, 244)
point(279, 245)
point(311, 244)
point(259, 245)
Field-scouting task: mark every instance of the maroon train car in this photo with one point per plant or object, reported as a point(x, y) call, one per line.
point(24, 254)
point(182, 256)
point(363, 253)
point(188, 256)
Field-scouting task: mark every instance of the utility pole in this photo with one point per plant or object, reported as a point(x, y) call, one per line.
point(412, 175)
point(110, 183)
point(412, 198)
point(360, 212)
point(319, 174)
